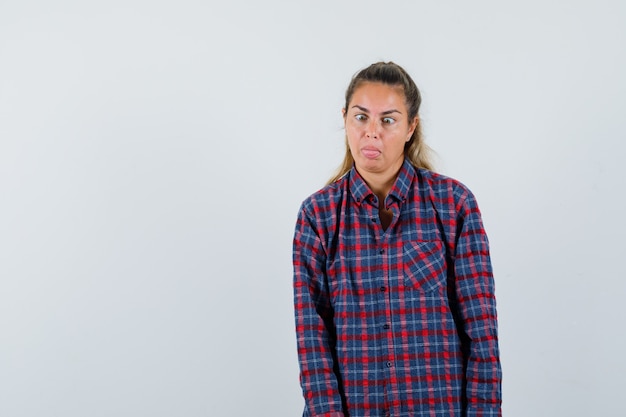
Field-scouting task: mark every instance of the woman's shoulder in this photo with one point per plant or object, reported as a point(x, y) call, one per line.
point(445, 188)
point(327, 196)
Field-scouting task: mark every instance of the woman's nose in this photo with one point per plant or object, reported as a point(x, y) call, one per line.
point(372, 129)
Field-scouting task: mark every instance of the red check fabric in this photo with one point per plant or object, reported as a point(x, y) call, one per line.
point(396, 322)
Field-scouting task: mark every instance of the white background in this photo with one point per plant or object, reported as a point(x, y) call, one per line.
point(153, 156)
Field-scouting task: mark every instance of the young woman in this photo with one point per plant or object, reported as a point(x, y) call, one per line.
point(394, 292)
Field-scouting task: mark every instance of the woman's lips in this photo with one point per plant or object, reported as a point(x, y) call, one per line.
point(370, 153)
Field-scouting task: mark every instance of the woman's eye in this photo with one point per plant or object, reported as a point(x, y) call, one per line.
point(360, 117)
point(388, 120)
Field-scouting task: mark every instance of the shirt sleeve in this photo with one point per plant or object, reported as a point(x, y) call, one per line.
point(475, 294)
point(314, 323)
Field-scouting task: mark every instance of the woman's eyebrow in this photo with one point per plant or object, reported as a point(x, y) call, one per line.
point(364, 110)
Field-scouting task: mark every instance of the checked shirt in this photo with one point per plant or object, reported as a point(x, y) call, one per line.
point(397, 322)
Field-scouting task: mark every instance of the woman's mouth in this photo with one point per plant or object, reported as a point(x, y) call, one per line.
point(370, 153)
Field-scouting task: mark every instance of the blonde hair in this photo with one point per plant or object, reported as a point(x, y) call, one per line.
point(416, 151)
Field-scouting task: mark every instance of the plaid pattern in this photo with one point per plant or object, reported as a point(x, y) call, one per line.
point(399, 322)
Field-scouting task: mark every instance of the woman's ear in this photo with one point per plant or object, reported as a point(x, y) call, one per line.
point(412, 126)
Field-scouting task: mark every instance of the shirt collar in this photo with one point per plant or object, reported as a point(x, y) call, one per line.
point(358, 187)
point(400, 189)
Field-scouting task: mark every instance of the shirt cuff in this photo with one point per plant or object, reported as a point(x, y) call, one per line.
point(484, 411)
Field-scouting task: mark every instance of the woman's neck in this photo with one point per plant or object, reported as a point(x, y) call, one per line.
point(380, 182)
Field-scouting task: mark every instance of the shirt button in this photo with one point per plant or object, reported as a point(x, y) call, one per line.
point(381, 251)
point(374, 219)
point(389, 364)
point(386, 326)
point(383, 289)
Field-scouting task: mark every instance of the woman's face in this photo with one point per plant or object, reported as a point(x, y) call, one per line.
point(377, 127)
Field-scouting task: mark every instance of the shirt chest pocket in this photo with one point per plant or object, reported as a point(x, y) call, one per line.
point(424, 265)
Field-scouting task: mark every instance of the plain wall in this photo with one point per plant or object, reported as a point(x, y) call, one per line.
point(153, 156)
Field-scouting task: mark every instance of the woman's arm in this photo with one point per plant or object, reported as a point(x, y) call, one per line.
point(314, 323)
point(475, 294)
